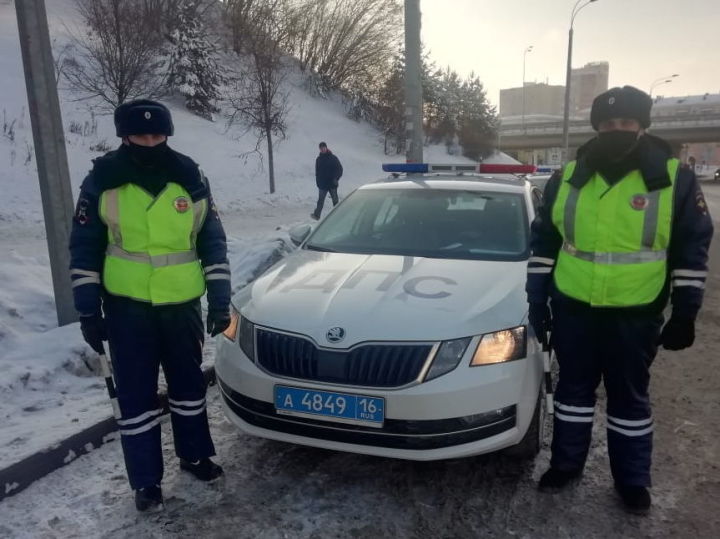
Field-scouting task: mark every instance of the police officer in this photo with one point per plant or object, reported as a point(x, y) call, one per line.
point(622, 229)
point(146, 243)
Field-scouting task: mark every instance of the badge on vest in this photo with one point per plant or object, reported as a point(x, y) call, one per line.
point(639, 202)
point(181, 204)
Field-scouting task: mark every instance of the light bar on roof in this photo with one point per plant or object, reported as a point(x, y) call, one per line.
point(490, 168)
point(405, 167)
point(483, 168)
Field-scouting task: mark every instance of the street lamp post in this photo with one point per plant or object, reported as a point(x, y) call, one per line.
point(566, 116)
point(529, 49)
point(662, 80)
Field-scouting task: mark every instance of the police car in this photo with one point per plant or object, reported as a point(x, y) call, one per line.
point(398, 327)
point(541, 176)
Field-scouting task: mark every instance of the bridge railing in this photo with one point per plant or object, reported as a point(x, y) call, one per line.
point(583, 126)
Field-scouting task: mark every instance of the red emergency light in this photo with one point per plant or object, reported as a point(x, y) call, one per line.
point(492, 168)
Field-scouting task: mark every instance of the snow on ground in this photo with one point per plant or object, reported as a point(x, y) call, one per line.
point(49, 383)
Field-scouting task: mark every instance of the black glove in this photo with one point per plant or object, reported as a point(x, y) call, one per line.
point(540, 319)
point(678, 333)
point(217, 322)
point(93, 330)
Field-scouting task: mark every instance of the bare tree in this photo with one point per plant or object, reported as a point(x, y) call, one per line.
point(118, 58)
point(259, 101)
point(60, 58)
point(238, 15)
point(344, 42)
point(241, 15)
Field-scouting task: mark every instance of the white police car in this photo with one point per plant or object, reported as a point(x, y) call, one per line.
point(540, 177)
point(399, 326)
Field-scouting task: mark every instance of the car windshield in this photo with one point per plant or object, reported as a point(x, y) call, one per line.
point(431, 223)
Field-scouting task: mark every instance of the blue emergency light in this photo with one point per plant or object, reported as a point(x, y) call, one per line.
point(483, 168)
point(405, 167)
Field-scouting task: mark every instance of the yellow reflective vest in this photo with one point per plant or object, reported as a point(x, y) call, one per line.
point(151, 253)
point(615, 238)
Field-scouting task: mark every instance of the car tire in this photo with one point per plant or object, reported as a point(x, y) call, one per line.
point(530, 444)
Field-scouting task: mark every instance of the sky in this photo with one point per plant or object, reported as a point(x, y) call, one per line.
point(643, 40)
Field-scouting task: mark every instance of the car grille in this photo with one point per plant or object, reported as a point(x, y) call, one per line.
point(372, 365)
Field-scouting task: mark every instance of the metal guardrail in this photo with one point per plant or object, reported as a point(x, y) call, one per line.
point(582, 126)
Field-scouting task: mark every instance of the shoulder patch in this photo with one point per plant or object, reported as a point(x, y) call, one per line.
point(700, 203)
point(81, 216)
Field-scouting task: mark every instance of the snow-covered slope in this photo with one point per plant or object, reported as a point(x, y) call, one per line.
point(47, 385)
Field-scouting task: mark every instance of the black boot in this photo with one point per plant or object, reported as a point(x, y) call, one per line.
point(203, 469)
point(554, 479)
point(148, 497)
point(315, 216)
point(635, 499)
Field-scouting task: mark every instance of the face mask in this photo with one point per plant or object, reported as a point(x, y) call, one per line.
point(148, 156)
point(614, 145)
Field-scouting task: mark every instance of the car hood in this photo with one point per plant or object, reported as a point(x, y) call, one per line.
point(382, 297)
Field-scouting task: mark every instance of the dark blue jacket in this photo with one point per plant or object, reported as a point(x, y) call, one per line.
point(89, 236)
point(328, 170)
point(690, 236)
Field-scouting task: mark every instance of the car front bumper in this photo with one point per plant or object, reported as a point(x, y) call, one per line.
point(466, 412)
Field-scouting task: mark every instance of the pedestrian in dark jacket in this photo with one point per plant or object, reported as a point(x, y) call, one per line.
point(622, 229)
point(328, 172)
point(146, 244)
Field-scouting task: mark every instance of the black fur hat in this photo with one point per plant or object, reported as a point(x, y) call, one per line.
point(625, 102)
point(143, 117)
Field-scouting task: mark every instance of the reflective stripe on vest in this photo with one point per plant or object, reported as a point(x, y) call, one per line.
point(156, 261)
point(151, 244)
point(615, 238)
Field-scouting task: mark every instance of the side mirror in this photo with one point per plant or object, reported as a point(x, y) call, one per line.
point(299, 233)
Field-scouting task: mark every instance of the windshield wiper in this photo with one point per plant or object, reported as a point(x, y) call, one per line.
point(318, 248)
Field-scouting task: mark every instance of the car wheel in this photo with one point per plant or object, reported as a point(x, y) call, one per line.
point(530, 444)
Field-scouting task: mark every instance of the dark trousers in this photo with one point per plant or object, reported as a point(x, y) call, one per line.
point(142, 338)
point(322, 194)
point(618, 348)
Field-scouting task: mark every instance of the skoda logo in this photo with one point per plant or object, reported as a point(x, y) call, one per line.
point(335, 334)
point(148, 115)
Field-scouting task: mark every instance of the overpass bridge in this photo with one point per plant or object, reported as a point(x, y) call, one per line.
point(677, 130)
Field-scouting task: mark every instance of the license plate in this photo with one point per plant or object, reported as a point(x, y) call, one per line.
point(330, 406)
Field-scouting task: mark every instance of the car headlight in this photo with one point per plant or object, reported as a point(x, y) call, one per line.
point(231, 331)
point(447, 357)
point(500, 346)
point(246, 338)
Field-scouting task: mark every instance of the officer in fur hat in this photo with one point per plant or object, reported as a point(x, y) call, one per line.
point(622, 229)
point(146, 244)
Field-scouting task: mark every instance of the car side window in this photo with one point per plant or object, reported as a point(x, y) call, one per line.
point(537, 199)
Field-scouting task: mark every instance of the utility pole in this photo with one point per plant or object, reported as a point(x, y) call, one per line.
point(49, 140)
point(566, 112)
point(413, 84)
point(527, 50)
point(568, 78)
